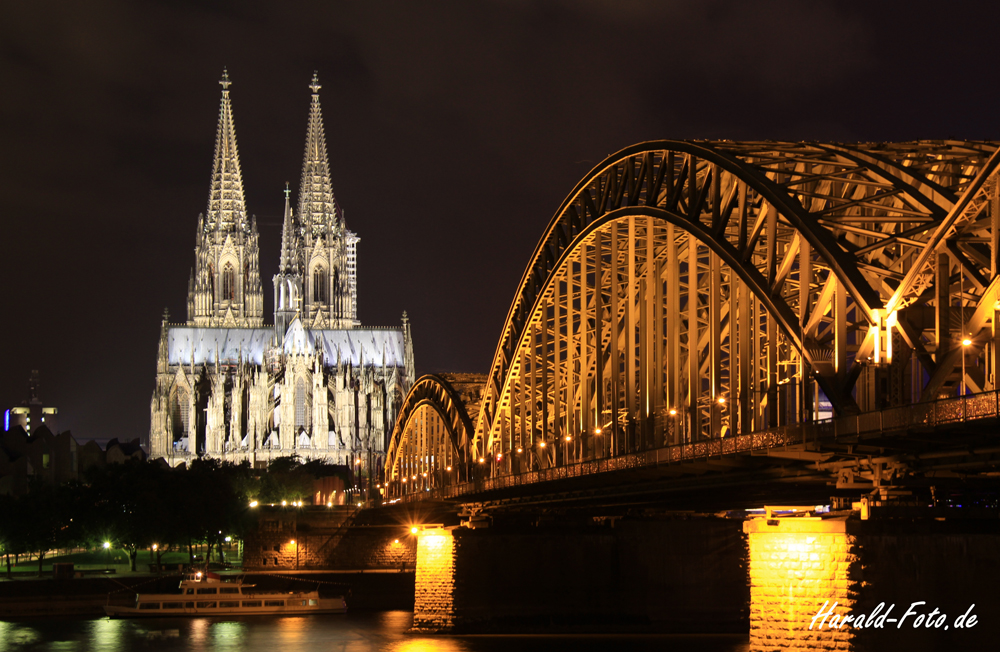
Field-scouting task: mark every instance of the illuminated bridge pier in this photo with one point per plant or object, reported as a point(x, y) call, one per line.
point(722, 325)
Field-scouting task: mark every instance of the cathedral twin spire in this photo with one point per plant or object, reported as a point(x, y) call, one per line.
point(316, 277)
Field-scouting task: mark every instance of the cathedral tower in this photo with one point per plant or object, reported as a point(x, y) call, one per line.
point(327, 249)
point(288, 280)
point(225, 288)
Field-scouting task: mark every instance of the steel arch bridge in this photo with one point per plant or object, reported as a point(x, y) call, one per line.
point(691, 291)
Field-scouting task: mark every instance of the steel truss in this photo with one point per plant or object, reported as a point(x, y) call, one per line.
point(430, 443)
point(688, 291)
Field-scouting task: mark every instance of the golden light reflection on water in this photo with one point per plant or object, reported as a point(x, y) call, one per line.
point(428, 644)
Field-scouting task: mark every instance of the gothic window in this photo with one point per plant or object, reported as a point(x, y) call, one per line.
point(300, 405)
point(228, 283)
point(180, 413)
point(319, 285)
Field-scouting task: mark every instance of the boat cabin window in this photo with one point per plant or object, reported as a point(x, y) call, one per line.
point(227, 589)
point(189, 605)
point(274, 603)
point(206, 605)
point(229, 605)
point(189, 592)
point(173, 605)
point(251, 603)
point(149, 605)
point(313, 602)
point(207, 591)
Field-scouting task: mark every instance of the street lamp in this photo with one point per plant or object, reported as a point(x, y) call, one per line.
point(965, 344)
point(107, 556)
point(294, 543)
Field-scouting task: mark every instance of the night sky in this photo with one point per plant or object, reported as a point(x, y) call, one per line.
point(454, 130)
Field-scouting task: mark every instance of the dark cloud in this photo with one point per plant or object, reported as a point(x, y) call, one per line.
point(454, 128)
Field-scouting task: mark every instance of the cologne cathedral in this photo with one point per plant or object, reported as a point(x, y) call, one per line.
point(316, 384)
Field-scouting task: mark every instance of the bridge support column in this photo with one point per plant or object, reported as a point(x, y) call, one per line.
point(798, 565)
point(935, 569)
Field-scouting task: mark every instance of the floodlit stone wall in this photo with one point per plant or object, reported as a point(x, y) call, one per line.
point(434, 606)
point(798, 568)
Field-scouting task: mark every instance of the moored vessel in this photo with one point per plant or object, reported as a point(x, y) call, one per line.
point(206, 594)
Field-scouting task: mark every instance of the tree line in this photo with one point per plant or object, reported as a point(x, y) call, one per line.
point(137, 504)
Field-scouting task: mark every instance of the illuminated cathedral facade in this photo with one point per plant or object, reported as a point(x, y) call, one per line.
point(316, 383)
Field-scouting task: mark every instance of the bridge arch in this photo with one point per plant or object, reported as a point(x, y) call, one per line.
point(687, 291)
point(430, 441)
point(822, 237)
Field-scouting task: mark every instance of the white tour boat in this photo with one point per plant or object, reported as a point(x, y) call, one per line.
point(205, 594)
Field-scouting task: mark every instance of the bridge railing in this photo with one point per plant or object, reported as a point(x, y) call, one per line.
point(943, 412)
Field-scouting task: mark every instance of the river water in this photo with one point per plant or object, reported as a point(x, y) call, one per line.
point(354, 632)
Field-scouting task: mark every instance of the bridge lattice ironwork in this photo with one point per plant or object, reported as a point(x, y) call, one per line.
point(691, 293)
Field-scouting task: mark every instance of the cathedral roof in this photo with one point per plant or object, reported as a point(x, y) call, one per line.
point(226, 204)
point(192, 344)
point(317, 206)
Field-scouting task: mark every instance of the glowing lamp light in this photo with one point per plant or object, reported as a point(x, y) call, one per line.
point(156, 546)
point(519, 450)
point(198, 575)
point(284, 503)
point(228, 539)
point(482, 459)
point(542, 444)
point(568, 438)
point(722, 400)
point(597, 431)
point(966, 342)
point(449, 468)
point(330, 504)
point(107, 545)
point(253, 503)
point(396, 541)
point(499, 456)
point(404, 480)
point(414, 530)
point(292, 542)
point(673, 412)
point(414, 477)
point(425, 474)
point(357, 461)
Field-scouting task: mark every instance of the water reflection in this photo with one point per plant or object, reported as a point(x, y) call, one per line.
point(355, 632)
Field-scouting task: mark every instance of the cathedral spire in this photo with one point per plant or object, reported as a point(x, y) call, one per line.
point(317, 207)
point(226, 288)
point(288, 239)
point(226, 204)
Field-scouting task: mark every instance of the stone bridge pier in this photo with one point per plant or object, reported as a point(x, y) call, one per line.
point(883, 584)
